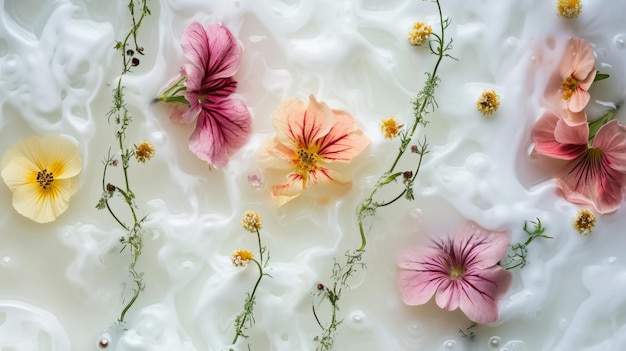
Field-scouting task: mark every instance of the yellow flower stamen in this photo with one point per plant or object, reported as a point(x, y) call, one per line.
point(488, 102)
point(584, 221)
point(390, 127)
point(44, 178)
point(144, 151)
point(240, 258)
point(569, 8)
point(569, 86)
point(305, 160)
point(456, 272)
point(251, 221)
point(419, 33)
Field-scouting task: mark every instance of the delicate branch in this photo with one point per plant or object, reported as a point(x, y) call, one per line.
point(520, 250)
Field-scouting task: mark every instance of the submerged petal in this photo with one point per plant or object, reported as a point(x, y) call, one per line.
point(220, 128)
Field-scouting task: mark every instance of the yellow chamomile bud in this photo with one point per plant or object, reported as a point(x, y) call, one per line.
point(569, 8)
point(144, 151)
point(241, 258)
point(584, 221)
point(488, 102)
point(390, 127)
point(251, 221)
point(419, 33)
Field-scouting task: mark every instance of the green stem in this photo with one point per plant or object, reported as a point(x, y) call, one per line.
point(252, 297)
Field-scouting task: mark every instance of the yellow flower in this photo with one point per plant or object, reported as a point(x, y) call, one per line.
point(144, 151)
point(584, 221)
point(569, 8)
point(241, 258)
point(390, 127)
point(488, 102)
point(251, 221)
point(41, 172)
point(419, 33)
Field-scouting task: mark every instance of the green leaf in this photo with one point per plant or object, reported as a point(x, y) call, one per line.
point(600, 76)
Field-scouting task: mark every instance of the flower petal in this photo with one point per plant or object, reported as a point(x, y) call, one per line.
point(214, 50)
point(40, 205)
point(591, 180)
point(578, 60)
point(479, 293)
point(295, 123)
point(579, 99)
point(544, 136)
point(344, 140)
point(418, 280)
point(276, 156)
point(18, 172)
point(480, 248)
point(448, 295)
point(219, 128)
point(611, 139)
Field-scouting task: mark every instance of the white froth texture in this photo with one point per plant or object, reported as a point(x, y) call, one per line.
point(64, 283)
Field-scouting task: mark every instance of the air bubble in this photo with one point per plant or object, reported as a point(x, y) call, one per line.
point(357, 320)
point(494, 342)
point(104, 341)
point(620, 41)
point(612, 259)
point(449, 344)
point(6, 260)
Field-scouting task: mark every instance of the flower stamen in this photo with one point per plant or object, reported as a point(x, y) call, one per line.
point(45, 178)
point(569, 86)
point(456, 272)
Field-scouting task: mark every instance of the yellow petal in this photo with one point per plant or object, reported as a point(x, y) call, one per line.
point(19, 171)
point(53, 153)
point(42, 206)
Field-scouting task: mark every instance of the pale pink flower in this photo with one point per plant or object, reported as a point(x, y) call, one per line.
point(594, 175)
point(462, 272)
point(222, 121)
point(577, 73)
point(309, 139)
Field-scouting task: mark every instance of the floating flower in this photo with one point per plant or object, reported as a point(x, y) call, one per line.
point(488, 102)
point(390, 127)
point(144, 151)
point(594, 175)
point(222, 121)
point(569, 8)
point(462, 272)
point(309, 138)
point(584, 221)
point(251, 221)
point(240, 258)
point(577, 73)
point(419, 33)
point(41, 172)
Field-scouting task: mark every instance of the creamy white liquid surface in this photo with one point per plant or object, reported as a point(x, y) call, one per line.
point(62, 282)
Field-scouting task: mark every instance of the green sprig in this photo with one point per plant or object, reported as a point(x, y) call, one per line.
point(121, 118)
point(519, 251)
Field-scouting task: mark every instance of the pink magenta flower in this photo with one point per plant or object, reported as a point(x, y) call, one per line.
point(577, 73)
point(222, 121)
point(462, 271)
point(309, 139)
point(594, 174)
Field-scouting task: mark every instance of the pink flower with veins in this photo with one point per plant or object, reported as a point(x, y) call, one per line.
point(462, 272)
point(594, 175)
point(222, 121)
point(577, 72)
point(309, 139)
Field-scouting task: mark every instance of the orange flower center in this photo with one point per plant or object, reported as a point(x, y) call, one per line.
point(569, 85)
point(456, 272)
point(44, 178)
point(305, 160)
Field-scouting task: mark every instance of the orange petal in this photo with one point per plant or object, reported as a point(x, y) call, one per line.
point(344, 140)
point(296, 123)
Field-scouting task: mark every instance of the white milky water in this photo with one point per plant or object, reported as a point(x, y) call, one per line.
point(62, 283)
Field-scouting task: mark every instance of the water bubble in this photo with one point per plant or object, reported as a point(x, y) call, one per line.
point(6, 260)
point(104, 341)
point(357, 320)
point(449, 344)
point(494, 342)
point(612, 259)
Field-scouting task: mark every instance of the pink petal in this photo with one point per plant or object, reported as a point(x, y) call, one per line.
point(480, 248)
point(422, 273)
point(448, 294)
point(573, 118)
point(219, 128)
point(611, 139)
point(587, 180)
point(479, 293)
point(214, 50)
point(579, 99)
point(344, 140)
point(295, 123)
point(578, 60)
point(568, 134)
point(544, 137)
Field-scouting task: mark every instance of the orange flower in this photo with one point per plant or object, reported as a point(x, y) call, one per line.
point(309, 138)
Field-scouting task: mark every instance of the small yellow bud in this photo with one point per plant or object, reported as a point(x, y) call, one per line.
point(144, 151)
point(419, 33)
point(390, 127)
point(251, 221)
point(569, 8)
point(488, 102)
point(241, 258)
point(584, 221)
